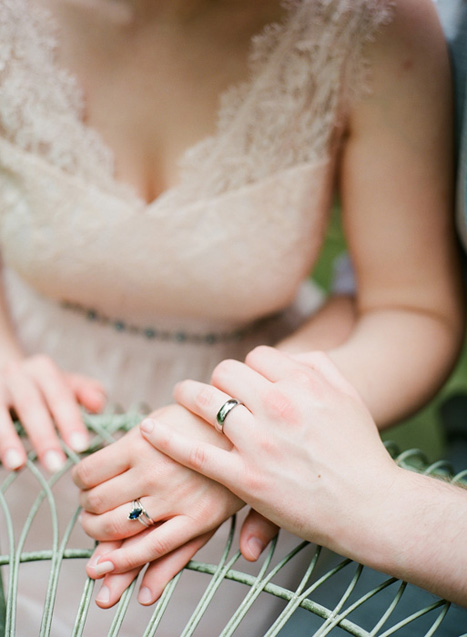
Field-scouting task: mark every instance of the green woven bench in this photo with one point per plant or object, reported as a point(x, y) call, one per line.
point(316, 573)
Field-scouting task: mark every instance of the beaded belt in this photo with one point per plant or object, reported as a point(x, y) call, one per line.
point(176, 336)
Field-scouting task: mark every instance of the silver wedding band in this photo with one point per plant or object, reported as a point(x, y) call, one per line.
point(138, 512)
point(224, 412)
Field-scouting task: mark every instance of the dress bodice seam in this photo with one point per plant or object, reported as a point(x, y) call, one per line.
point(79, 182)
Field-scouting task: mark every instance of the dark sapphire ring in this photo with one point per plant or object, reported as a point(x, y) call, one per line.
point(138, 512)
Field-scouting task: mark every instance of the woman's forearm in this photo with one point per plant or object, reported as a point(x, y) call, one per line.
point(395, 358)
point(330, 327)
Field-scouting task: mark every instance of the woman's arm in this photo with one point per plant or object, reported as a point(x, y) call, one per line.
point(396, 187)
point(44, 398)
point(307, 455)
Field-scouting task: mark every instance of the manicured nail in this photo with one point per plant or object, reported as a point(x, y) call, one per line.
point(102, 568)
point(13, 459)
point(53, 460)
point(79, 441)
point(104, 595)
point(94, 560)
point(147, 425)
point(145, 596)
point(256, 547)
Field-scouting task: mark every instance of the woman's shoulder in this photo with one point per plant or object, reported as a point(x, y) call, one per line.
point(409, 76)
point(414, 27)
point(410, 53)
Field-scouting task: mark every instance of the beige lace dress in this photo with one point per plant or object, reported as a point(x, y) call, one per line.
point(141, 296)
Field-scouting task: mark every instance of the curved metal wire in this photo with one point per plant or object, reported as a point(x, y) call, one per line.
point(105, 428)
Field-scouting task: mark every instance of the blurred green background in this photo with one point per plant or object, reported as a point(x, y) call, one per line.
point(424, 430)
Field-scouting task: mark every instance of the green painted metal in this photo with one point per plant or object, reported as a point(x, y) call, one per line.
point(105, 428)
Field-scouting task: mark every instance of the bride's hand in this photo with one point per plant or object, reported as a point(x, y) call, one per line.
point(156, 577)
point(255, 534)
point(46, 400)
point(182, 504)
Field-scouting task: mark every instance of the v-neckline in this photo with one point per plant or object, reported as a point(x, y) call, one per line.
point(124, 189)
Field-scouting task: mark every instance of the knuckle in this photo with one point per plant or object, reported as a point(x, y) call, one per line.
point(44, 364)
point(153, 481)
point(197, 458)
point(221, 370)
point(317, 358)
point(12, 368)
point(63, 408)
point(303, 377)
point(126, 563)
point(82, 475)
point(254, 482)
point(255, 354)
point(93, 502)
point(280, 407)
point(110, 529)
point(204, 398)
point(159, 545)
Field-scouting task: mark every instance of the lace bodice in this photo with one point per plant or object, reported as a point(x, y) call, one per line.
point(251, 198)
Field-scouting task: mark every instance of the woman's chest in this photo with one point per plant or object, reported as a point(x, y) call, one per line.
point(151, 89)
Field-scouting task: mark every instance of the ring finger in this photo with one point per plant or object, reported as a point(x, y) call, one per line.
point(213, 405)
point(117, 524)
point(107, 496)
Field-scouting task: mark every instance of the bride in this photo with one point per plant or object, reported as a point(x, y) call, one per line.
point(167, 170)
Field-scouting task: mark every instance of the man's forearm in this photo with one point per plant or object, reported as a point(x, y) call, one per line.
point(416, 534)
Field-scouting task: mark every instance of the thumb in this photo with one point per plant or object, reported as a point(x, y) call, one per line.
point(255, 535)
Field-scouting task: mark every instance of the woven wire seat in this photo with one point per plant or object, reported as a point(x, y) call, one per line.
point(315, 575)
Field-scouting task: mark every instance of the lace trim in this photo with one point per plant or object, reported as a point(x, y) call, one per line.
point(371, 19)
point(286, 113)
point(290, 109)
point(42, 105)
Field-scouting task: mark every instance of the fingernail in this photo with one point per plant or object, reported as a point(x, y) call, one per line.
point(256, 547)
point(53, 460)
point(13, 459)
point(145, 595)
point(93, 561)
point(79, 441)
point(102, 568)
point(147, 426)
point(104, 595)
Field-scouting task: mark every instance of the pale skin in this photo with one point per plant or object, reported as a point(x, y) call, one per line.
point(305, 452)
point(401, 238)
